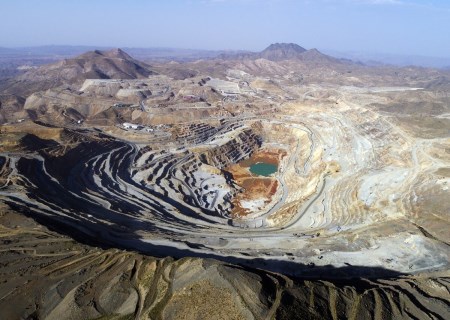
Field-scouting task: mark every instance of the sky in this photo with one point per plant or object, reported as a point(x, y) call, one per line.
point(408, 27)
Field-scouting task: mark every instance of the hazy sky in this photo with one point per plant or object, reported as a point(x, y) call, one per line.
point(387, 26)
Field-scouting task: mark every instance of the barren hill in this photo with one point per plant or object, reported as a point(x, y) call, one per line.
point(113, 64)
point(284, 51)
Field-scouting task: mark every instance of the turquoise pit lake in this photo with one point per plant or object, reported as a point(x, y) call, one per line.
point(263, 169)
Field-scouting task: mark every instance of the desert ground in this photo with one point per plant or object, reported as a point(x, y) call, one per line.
point(103, 178)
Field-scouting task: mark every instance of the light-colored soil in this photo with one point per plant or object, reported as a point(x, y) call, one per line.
point(362, 190)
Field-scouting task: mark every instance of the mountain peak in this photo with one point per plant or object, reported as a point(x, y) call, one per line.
point(278, 52)
point(111, 64)
point(286, 47)
point(282, 51)
point(113, 53)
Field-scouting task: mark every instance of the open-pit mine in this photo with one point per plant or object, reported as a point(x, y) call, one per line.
point(310, 167)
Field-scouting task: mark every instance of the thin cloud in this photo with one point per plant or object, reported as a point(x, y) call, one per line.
point(380, 2)
point(427, 5)
point(373, 2)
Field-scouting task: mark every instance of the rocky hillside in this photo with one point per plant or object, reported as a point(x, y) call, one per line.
point(278, 52)
point(113, 64)
point(282, 51)
point(10, 105)
point(58, 278)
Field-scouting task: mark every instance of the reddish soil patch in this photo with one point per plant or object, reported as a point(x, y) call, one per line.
point(264, 186)
point(266, 156)
point(255, 187)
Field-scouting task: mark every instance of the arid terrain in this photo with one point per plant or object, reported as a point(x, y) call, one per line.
point(144, 190)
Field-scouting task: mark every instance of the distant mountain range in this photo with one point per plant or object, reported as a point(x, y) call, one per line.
point(117, 64)
point(376, 59)
point(275, 52)
point(60, 52)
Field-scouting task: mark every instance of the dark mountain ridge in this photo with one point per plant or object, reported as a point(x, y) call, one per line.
point(282, 52)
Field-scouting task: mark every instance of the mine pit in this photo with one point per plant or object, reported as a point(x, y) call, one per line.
point(312, 167)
